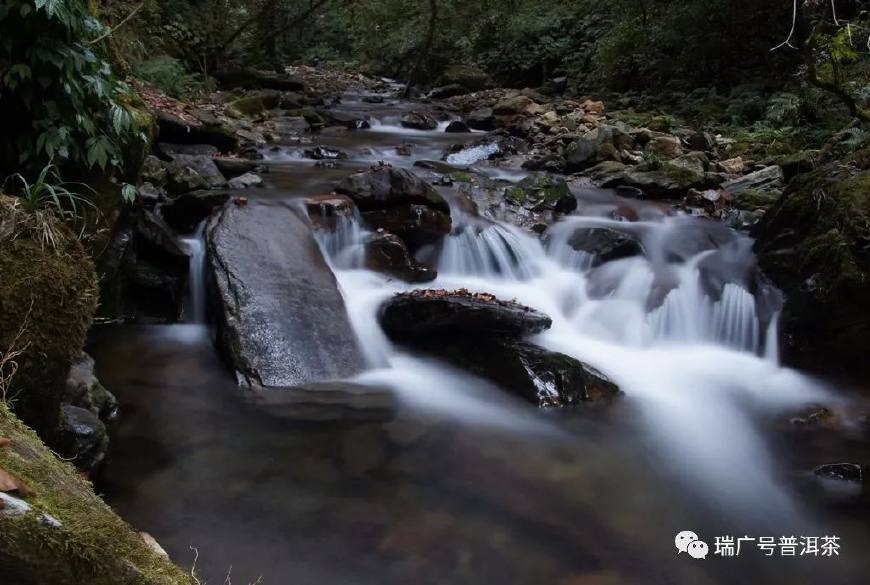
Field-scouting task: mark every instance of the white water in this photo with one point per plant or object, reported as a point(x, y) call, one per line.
point(700, 368)
point(194, 245)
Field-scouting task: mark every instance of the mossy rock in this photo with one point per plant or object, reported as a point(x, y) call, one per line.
point(796, 163)
point(48, 296)
point(752, 199)
point(813, 244)
point(255, 103)
point(68, 535)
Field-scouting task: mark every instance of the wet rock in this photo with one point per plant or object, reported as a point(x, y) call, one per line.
point(481, 119)
point(583, 151)
point(184, 212)
point(769, 179)
point(812, 244)
point(151, 195)
point(423, 313)
point(387, 186)
point(415, 224)
point(324, 153)
point(418, 120)
point(540, 192)
point(388, 254)
point(605, 244)
point(842, 479)
point(457, 127)
point(344, 120)
point(405, 149)
point(154, 171)
point(325, 210)
point(281, 318)
point(514, 105)
point(233, 167)
point(201, 164)
point(657, 180)
point(255, 103)
point(152, 228)
point(84, 390)
point(447, 91)
point(176, 130)
point(703, 141)
point(549, 163)
point(373, 99)
point(82, 436)
point(183, 179)
point(544, 378)
point(246, 181)
point(328, 401)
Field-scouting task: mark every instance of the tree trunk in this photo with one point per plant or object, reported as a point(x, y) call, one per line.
point(414, 76)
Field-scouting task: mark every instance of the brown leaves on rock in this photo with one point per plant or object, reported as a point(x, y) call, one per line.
point(439, 293)
point(10, 483)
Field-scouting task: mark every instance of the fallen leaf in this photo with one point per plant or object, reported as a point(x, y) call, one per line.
point(10, 483)
point(4, 442)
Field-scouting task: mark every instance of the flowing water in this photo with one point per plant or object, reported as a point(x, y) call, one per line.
point(468, 484)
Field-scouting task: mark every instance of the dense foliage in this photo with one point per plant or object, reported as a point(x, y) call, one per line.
point(58, 97)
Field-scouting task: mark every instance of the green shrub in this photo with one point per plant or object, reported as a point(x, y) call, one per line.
point(169, 75)
point(58, 97)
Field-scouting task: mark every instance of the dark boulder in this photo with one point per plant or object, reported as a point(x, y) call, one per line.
point(344, 120)
point(184, 212)
point(447, 91)
point(457, 127)
point(176, 130)
point(281, 317)
point(82, 437)
point(605, 244)
point(387, 186)
point(325, 153)
point(813, 244)
point(545, 378)
point(419, 314)
point(416, 224)
point(481, 119)
point(326, 210)
point(418, 120)
point(388, 254)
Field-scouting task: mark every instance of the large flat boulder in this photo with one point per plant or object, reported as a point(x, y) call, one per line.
point(282, 319)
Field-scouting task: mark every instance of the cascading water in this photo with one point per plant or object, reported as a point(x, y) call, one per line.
point(194, 305)
point(686, 352)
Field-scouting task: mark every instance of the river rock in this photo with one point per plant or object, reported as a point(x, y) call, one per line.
point(420, 314)
point(82, 436)
point(184, 212)
point(457, 127)
point(387, 186)
point(539, 192)
point(203, 165)
point(388, 254)
point(324, 153)
point(605, 244)
point(325, 210)
point(481, 119)
point(447, 91)
point(769, 179)
point(584, 151)
point(418, 120)
point(514, 105)
point(84, 390)
point(233, 167)
point(171, 128)
point(544, 378)
point(246, 181)
point(281, 317)
point(183, 179)
point(415, 224)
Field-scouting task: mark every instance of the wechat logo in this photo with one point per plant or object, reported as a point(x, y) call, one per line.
point(688, 542)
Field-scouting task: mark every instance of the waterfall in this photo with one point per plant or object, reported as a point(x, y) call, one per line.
point(194, 303)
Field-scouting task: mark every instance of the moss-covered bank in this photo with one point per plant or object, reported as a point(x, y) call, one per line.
point(48, 295)
point(88, 544)
point(815, 244)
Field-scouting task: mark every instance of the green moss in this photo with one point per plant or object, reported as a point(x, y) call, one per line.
point(48, 293)
point(515, 195)
point(461, 177)
point(92, 544)
point(752, 199)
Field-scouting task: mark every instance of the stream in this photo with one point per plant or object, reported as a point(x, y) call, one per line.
point(468, 484)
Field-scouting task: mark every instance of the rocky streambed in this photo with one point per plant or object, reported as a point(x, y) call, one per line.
point(457, 362)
